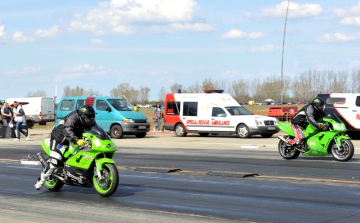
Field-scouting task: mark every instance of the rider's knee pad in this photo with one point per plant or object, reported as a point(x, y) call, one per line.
point(56, 157)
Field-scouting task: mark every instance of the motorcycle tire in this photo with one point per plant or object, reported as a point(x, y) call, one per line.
point(53, 183)
point(109, 182)
point(346, 151)
point(286, 151)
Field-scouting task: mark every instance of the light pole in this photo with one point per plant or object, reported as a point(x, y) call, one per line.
point(282, 59)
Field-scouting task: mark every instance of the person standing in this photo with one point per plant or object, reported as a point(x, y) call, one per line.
point(19, 118)
point(6, 114)
point(157, 116)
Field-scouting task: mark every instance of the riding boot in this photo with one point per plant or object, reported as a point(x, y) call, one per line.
point(45, 175)
point(53, 166)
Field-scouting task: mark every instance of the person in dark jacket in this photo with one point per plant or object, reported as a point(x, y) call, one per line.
point(69, 130)
point(309, 114)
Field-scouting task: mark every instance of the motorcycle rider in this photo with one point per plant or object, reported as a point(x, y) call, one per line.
point(69, 129)
point(309, 114)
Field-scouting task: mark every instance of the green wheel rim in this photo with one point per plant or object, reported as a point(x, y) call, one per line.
point(51, 183)
point(104, 185)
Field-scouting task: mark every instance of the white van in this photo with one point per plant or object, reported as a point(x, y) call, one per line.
point(213, 112)
point(347, 107)
point(39, 109)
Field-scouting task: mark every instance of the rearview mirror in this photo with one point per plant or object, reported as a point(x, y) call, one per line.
point(108, 109)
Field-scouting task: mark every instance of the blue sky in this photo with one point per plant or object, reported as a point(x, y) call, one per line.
point(156, 43)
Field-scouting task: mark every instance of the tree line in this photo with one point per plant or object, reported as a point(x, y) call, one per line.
point(302, 87)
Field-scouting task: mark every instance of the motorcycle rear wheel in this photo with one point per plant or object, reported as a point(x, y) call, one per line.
point(346, 151)
point(286, 151)
point(109, 182)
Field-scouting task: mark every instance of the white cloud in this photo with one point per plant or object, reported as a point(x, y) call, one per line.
point(350, 16)
point(47, 33)
point(352, 11)
point(350, 21)
point(122, 16)
point(338, 37)
point(32, 70)
point(194, 27)
point(238, 34)
point(355, 63)
point(229, 73)
point(295, 10)
point(68, 76)
point(24, 71)
point(98, 42)
point(19, 37)
point(2, 32)
point(264, 49)
point(82, 68)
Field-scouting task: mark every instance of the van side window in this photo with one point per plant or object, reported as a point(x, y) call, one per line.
point(79, 103)
point(67, 105)
point(173, 108)
point(101, 105)
point(218, 112)
point(190, 109)
point(357, 101)
point(335, 100)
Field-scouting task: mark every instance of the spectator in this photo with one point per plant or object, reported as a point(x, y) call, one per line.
point(19, 118)
point(6, 114)
point(157, 117)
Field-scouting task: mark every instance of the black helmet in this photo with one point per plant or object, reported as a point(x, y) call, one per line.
point(318, 104)
point(87, 111)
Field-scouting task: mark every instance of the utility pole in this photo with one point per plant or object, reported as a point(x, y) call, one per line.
point(282, 59)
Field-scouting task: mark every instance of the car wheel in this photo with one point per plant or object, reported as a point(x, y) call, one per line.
point(116, 132)
point(243, 131)
point(180, 130)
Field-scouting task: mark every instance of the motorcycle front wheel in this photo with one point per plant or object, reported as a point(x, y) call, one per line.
point(345, 152)
point(286, 151)
point(108, 183)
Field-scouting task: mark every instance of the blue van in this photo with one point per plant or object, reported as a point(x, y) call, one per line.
point(115, 115)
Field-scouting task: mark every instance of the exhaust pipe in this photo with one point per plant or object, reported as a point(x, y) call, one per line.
point(41, 159)
point(284, 140)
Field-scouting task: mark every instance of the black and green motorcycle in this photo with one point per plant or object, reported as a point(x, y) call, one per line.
point(88, 166)
point(332, 141)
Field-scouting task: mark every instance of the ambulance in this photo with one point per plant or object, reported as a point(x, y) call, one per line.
point(347, 107)
point(213, 112)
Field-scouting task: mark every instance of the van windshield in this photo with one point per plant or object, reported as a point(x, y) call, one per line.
point(121, 104)
point(238, 110)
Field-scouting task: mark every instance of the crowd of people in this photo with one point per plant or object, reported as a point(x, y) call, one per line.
point(14, 117)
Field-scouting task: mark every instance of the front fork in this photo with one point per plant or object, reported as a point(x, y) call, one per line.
point(98, 173)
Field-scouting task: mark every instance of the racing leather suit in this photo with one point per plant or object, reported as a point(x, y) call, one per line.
point(69, 129)
point(308, 114)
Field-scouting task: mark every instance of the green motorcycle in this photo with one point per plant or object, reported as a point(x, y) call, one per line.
point(88, 166)
point(332, 141)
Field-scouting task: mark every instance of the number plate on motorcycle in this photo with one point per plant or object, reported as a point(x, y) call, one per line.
point(271, 128)
point(142, 127)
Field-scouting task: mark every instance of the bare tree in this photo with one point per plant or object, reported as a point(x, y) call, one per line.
point(161, 95)
point(196, 88)
point(144, 94)
point(78, 91)
point(38, 93)
point(208, 84)
point(124, 90)
point(355, 81)
point(92, 93)
point(175, 87)
point(240, 91)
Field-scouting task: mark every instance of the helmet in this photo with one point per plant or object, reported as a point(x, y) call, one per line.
point(87, 115)
point(318, 104)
